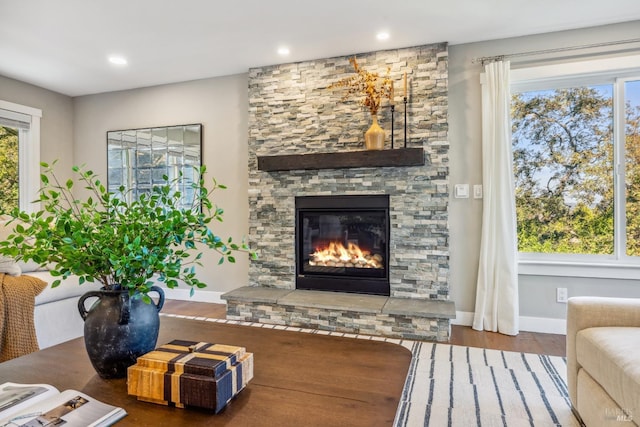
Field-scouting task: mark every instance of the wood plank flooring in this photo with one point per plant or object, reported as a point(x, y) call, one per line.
point(526, 342)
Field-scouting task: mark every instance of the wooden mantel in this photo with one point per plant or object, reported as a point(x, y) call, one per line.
point(349, 159)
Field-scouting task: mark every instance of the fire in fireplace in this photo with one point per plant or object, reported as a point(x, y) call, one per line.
point(336, 255)
point(342, 243)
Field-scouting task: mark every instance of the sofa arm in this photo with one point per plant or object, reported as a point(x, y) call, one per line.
point(590, 312)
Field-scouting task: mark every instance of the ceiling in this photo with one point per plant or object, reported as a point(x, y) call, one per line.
point(63, 45)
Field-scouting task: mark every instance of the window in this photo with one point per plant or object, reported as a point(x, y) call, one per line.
point(19, 156)
point(563, 163)
point(576, 151)
point(632, 165)
point(9, 189)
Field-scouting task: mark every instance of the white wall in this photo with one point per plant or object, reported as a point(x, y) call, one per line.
point(221, 105)
point(56, 125)
point(537, 293)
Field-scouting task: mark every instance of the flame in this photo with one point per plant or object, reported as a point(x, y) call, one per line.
point(351, 256)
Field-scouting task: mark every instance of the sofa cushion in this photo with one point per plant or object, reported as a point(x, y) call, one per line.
point(9, 266)
point(610, 356)
point(29, 266)
point(69, 288)
point(16, 267)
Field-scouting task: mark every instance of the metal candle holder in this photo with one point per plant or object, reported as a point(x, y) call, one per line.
point(405, 122)
point(393, 108)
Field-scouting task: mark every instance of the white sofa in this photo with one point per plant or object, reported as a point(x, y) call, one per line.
point(603, 360)
point(56, 309)
point(56, 313)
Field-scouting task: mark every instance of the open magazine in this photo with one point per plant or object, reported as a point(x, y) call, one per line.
point(31, 405)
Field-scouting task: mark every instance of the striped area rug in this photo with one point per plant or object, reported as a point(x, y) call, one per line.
point(450, 385)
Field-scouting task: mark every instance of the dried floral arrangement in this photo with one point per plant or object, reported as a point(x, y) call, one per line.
point(371, 85)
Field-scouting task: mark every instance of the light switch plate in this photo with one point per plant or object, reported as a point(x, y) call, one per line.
point(477, 191)
point(461, 191)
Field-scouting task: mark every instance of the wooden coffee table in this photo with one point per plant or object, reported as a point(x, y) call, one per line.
point(300, 379)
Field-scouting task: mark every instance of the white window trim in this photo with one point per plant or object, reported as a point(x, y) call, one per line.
point(595, 266)
point(598, 67)
point(29, 156)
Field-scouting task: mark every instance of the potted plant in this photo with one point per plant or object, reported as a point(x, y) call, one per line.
point(126, 246)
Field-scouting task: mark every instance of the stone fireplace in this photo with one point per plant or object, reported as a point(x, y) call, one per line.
point(293, 115)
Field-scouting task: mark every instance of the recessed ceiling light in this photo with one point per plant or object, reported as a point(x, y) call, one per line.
point(118, 60)
point(383, 35)
point(283, 51)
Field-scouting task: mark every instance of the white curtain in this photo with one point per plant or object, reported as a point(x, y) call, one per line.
point(497, 288)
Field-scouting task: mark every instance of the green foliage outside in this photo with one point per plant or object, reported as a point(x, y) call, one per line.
point(632, 180)
point(563, 163)
point(8, 169)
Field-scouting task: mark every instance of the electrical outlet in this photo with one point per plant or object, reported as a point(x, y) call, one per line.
point(562, 295)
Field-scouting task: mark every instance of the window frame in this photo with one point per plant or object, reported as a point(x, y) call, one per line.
point(615, 71)
point(28, 155)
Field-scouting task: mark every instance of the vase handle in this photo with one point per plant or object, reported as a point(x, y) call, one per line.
point(125, 308)
point(160, 292)
point(81, 307)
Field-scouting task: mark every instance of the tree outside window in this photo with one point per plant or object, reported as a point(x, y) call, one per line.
point(632, 166)
point(563, 147)
point(9, 184)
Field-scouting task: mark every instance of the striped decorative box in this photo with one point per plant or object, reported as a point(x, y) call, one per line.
point(187, 373)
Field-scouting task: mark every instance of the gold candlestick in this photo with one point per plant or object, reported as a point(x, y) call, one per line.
point(405, 84)
point(391, 95)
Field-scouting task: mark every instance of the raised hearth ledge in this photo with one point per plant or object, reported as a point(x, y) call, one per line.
point(348, 159)
point(407, 318)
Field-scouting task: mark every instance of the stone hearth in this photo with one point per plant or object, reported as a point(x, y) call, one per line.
point(292, 112)
point(342, 312)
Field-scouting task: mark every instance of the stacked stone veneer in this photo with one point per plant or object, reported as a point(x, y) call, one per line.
point(342, 312)
point(292, 111)
point(349, 321)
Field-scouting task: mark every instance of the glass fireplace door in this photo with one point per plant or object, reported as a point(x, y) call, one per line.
point(343, 244)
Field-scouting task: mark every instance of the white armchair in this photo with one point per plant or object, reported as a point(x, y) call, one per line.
point(603, 359)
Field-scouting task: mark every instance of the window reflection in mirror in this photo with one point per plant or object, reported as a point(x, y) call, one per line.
point(139, 158)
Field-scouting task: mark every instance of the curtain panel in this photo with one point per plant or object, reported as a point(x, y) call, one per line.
point(497, 307)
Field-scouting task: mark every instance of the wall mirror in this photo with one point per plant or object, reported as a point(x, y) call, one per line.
point(138, 158)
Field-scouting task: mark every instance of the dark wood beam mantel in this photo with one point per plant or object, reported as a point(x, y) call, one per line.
point(349, 159)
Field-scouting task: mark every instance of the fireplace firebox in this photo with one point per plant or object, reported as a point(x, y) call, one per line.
point(342, 243)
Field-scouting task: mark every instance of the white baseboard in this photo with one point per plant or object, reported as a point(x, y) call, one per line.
point(463, 318)
point(199, 296)
point(543, 325)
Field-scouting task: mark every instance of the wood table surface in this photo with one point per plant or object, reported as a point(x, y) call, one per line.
point(300, 379)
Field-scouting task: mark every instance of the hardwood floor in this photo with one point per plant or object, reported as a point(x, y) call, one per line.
point(526, 342)
point(191, 308)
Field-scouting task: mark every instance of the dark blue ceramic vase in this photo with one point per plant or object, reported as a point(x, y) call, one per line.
point(118, 328)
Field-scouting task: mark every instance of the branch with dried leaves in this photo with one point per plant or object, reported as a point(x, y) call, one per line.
point(371, 85)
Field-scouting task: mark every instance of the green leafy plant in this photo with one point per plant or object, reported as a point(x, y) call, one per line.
point(121, 244)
